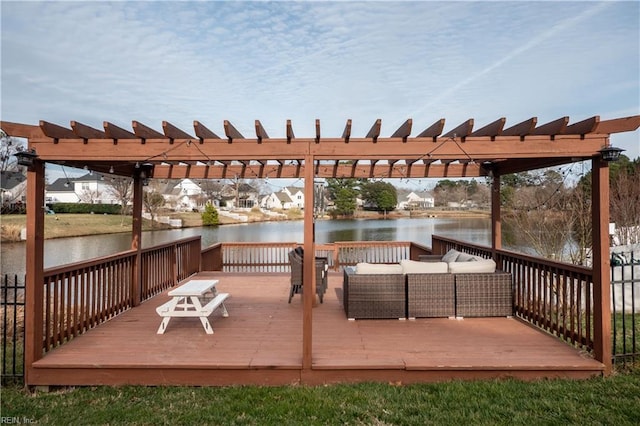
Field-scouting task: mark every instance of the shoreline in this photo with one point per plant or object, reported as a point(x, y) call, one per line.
point(78, 225)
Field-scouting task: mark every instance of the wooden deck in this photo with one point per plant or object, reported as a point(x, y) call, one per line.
point(261, 343)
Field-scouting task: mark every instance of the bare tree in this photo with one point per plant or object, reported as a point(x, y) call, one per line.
point(122, 189)
point(539, 213)
point(625, 203)
point(89, 195)
point(579, 210)
point(8, 148)
point(153, 201)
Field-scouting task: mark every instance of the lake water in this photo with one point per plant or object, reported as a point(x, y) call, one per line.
point(62, 251)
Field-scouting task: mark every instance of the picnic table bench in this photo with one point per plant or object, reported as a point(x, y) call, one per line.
point(187, 301)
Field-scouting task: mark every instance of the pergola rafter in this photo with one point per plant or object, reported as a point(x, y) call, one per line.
point(459, 152)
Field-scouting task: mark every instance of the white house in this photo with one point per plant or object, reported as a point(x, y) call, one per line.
point(277, 200)
point(417, 200)
point(92, 188)
point(184, 195)
point(287, 198)
point(296, 194)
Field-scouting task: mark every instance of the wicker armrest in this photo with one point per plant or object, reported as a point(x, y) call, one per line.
point(484, 295)
point(373, 296)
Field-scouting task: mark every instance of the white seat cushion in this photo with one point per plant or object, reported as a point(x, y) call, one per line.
point(480, 266)
point(378, 268)
point(415, 267)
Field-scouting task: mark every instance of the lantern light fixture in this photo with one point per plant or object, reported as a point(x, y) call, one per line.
point(610, 153)
point(26, 158)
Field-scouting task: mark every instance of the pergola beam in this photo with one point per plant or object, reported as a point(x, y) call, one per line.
point(172, 132)
point(231, 132)
point(618, 125)
point(114, 132)
point(462, 131)
point(374, 132)
point(434, 130)
point(145, 132)
point(341, 170)
point(521, 129)
point(556, 127)
point(403, 131)
point(56, 132)
point(160, 150)
point(86, 132)
point(261, 133)
point(346, 134)
point(492, 130)
point(202, 132)
point(583, 127)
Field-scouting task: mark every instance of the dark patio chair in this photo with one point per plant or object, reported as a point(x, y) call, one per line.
point(296, 257)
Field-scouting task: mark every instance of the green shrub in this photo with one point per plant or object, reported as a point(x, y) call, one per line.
point(210, 216)
point(86, 208)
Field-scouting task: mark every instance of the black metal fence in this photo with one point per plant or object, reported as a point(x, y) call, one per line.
point(12, 311)
point(625, 305)
point(625, 301)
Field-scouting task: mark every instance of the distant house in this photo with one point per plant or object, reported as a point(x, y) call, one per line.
point(92, 188)
point(246, 196)
point(296, 194)
point(184, 195)
point(13, 187)
point(417, 201)
point(277, 200)
point(288, 198)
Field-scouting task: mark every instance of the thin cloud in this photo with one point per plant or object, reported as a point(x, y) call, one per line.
point(273, 61)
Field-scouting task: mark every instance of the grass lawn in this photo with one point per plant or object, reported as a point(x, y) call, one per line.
point(73, 225)
point(610, 401)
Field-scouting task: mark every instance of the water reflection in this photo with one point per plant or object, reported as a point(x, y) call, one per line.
point(68, 250)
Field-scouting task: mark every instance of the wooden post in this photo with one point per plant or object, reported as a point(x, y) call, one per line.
point(496, 221)
point(496, 224)
point(34, 291)
point(309, 262)
point(136, 241)
point(601, 263)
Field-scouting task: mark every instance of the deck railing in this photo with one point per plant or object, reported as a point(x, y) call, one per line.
point(274, 257)
point(554, 296)
point(557, 297)
point(79, 296)
point(165, 265)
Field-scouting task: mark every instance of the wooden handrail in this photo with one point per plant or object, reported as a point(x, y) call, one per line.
point(555, 296)
point(81, 295)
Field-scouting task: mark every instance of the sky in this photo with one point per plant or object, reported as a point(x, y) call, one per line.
point(240, 61)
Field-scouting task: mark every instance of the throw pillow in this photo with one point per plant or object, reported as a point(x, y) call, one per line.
point(451, 256)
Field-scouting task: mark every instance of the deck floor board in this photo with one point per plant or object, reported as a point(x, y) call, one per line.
point(263, 333)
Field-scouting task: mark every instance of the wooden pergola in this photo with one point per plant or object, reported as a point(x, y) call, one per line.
point(462, 152)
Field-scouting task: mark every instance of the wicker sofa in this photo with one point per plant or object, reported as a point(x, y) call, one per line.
point(414, 289)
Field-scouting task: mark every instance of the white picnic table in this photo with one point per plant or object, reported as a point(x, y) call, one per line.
point(187, 301)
